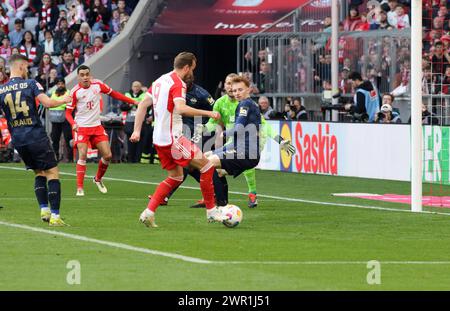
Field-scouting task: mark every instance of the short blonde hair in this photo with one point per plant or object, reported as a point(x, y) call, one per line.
point(240, 79)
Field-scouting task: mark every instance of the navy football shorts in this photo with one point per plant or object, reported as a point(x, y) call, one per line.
point(235, 164)
point(38, 156)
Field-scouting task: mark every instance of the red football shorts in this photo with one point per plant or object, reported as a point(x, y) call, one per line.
point(94, 135)
point(181, 152)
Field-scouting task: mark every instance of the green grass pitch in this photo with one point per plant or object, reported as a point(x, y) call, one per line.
point(280, 245)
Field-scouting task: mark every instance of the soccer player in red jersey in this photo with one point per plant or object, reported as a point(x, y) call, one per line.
point(168, 96)
point(87, 100)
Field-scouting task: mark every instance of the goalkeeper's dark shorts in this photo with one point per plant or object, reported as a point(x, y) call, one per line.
point(235, 163)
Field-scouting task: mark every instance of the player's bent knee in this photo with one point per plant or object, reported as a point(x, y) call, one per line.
point(107, 157)
point(214, 159)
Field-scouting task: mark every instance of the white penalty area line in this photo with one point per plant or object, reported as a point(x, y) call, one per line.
point(379, 208)
point(204, 261)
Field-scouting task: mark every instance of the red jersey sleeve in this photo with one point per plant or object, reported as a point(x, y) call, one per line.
point(178, 91)
point(73, 93)
point(105, 89)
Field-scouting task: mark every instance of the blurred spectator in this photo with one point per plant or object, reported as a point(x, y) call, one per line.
point(45, 65)
point(295, 110)
point(352, 21)
point(263, 77)
point(3, 63)
point(322, 40)
point(59, 123)
point(76, 15)
point(98, 44)
point(77, 46)
point(86, 32)
point(446, 81)
point(426, 81)
point(363, 24)
point(48, 16)
point(399, 19)
point(264, 106)
point(383, 22)
point(97, 15)
point(388, 114)
point(15, 50)
point(4, 22)
point(5, 48)
point(16, 8)
point(64, 35)
point(428, 118)
point(16, 35)
point(366, 103)
point(62, 15)
point(48, 81)
point(67, 66)
point(50, 46)
point(439, 60)
point(3, 77)
point(28, 47)
point(114, 23)
point(88, 52)
point(128, 114)
point(123, 8)
point(345, 84)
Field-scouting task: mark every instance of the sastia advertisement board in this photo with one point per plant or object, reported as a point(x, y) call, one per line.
point(380, 151)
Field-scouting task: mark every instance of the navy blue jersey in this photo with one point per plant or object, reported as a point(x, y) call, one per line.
point(198, 98)
point(18, 102)
point(246, 128)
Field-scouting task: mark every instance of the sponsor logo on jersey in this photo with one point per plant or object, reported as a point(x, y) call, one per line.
point(243, 112)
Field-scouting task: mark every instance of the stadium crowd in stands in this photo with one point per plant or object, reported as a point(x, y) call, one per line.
point(383, 60)
point(58, 34)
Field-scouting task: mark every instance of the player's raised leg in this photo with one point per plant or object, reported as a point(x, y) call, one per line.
point(106, 156)
point(81, 167)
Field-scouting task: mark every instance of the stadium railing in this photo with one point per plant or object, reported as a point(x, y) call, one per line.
point(299, 64)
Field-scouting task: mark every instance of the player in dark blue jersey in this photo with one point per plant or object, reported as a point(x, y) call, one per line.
point(198, 98)
point(18, 100)
point(243, 152)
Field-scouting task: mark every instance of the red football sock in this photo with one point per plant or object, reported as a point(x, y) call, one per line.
point(206, 185)
point(81, 171)
point(102, 167)
point(163, 190)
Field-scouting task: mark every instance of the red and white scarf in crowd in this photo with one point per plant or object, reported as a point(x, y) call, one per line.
point(31, 54)
point(46, 14)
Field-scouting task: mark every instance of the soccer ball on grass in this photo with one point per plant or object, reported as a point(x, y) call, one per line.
point(234, 215)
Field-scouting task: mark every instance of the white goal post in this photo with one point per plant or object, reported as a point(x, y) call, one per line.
point(416, 106)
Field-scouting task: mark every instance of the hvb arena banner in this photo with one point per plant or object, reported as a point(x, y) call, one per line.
point(359, 150)
point(226, 17)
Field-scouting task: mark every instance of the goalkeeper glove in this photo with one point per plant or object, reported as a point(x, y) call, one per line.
point(287, 146)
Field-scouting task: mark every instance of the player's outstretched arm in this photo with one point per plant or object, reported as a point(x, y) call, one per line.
point(185, 110)
point(140, 116)
point(48, 102)
point(119, 96)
